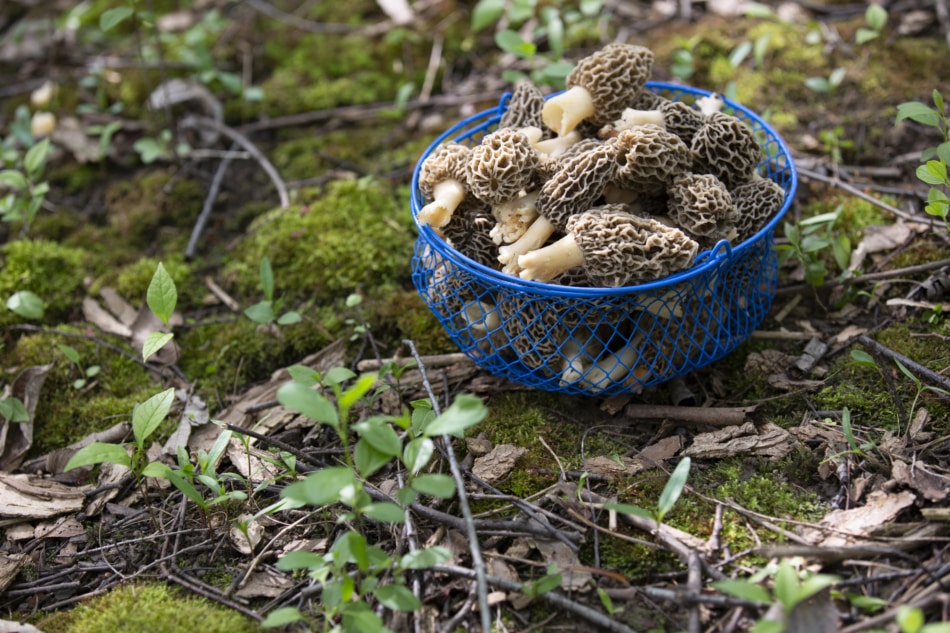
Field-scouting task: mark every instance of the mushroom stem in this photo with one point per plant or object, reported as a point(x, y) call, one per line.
point(609, 369)
point(544, 264)
point(565, 111)
point(447, 195)
point(535, 237)
point(632, 118)
point(514, 217)
point(554, 147)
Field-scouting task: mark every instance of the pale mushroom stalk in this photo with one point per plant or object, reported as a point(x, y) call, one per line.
point(608, 370)
point(533, 238)
point(448, 195)
point(565, 111)
point(544, 264)
point(512, 218)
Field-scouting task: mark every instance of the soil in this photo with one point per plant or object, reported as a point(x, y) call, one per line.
point(817, 450)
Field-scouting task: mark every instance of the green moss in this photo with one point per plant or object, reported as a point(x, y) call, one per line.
point(401, 314)
point(52, 271)
point(149, 608)
point(354, 234)
point(154, 210)
point(132, 280)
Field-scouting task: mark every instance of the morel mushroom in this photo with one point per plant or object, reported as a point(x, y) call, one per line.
point(616, 247)
point(756, 201)
point(649, 158)
point(579, 181)
point(726, 147)
point(677, 117)
point(469, 232)
point(524, 107)
point(701, 205)
point(501, 166)
point(600, 87)
point(624, 366)
point(512, 218)
point(442, 181)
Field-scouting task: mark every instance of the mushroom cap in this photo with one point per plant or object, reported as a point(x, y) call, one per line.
point(579, 181)
point(469, 232)
point(613, 76)
point(622, 249)
point(501, 166)
point(756, 201)
point(681, 119)
point(726, 147)
point(524, 107)
point(648, 158)
point(446, 162)
point(701, 205)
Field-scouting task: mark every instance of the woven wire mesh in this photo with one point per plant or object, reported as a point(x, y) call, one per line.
point(604, 340)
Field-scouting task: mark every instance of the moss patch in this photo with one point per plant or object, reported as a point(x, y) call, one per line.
point(148, 608)
point(53, 271)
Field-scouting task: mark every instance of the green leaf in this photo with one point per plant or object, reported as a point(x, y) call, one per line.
point(385, 512)
point(425, 558)
point(744, 590)
point(836, 77)
point(147, 415)
point(262, 312)
point(356, 391)
point(914, 379)
point(626, 508)
point(12, 409)
point(739, 54)
point(868, 604)
point(863, 35)
point(156, 469)
point(814, 584)
point(299, 559)
point(757, 10)
point(434, 484)
point(380, 435)
point(69, 352)
point(511, 42)
point(154, 342)
point(304, 375)
point(35, 159)
point(786, 585)
point(818, 84)
point(767, 626)
point(673, 488)
point(338, 375)
point(13, 179)
point(551, 18)
point(486, 12)
point(876, 16)
point(267, 278)
point(918, 112)
point(861, 357)
point(98, 453)
point(933, 172)
point(397, 598)
point(162, 296)
point(112, 17)
point(282, 617)
point(417, 454)
point(306, 401)
point(149, 150)
point(357, 616)
point(368, 458)
point(220, 445)
point(321, 487)
point(464, 412)
point(909, 619)
point(26, 304)
point(185, 487)
point(289, 318)
point(943, 152)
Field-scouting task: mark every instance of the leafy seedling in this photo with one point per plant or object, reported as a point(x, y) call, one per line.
point(265, 312)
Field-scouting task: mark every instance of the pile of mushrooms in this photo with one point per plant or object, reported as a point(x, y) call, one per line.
point(607, 184)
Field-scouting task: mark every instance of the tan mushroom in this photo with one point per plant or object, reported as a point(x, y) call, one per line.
point(616, 248)
point(512, 218)
point(649, 158)
point(756, 202)
point(442, 181)
point(524, 107)
point(579, 181)
point(726, 147)
point(501, 166)
point(701, 206)
point(469, 232)
point(599, 87)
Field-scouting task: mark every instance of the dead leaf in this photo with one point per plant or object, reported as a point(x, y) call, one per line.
point(10, 565)
point(265, 583)
point(770, 441)
point(498, 463)
point(878, 238)
point(16, 438)
point(65, 527)
point(118, 306)
point(247, 542)
point(846, 527)
point(54, 461)
point(103, 319)
point(930, 485)
point(573, 576)
point(109, 474)
point(31, 497)
point(6, 626)
point(70, 134)
point(398, 11)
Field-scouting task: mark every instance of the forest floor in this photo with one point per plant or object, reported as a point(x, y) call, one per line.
point(272, 193)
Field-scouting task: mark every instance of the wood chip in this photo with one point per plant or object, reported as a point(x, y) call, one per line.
point(498, 463)
point(769, 440)
point(30, 497)
point(847, 527)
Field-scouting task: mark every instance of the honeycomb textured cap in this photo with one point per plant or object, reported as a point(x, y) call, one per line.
point(726, 147)
point(501, 166)
point(701, 205)
point(756, 202)
point(613, 76)
point(649, 158)
point(577, 184)
point(524, 107)
point(447, 162)
point(621, 249)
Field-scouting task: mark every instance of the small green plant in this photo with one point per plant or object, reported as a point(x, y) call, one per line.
point(668, 497)
point(911, 620)
point(85, 373)
point(827, 84)
point(554, 24)
point(935, 159)
point(358, 578)
point(12, 409)
point(833, 141)
point(26, 304)
point(875, 16)
point(160, 147)
point(161, 297)
point(809, 238)
point(23, 162)
point(266, 312)
point(789, 587)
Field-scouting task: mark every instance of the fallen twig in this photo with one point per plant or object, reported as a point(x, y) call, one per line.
point(713, 416)
point(911, 365)
point(839, 184)
point(206, 208)
point(867, 277)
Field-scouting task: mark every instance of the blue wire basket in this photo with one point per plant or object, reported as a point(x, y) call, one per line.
point(604, 341)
